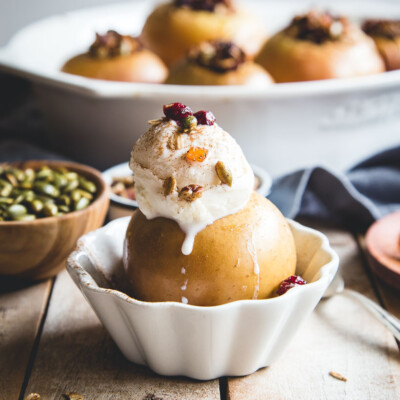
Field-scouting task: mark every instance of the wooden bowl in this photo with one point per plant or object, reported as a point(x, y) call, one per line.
point(38, 249)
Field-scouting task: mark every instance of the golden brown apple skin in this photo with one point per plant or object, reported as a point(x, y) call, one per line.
point(221, 267)
point(170, 31)
point(389, 49)
point(291, 60)
point(141, 66)
point(188, 73)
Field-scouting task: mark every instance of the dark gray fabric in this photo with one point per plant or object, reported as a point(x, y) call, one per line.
point(14, 150)
point(354, 199)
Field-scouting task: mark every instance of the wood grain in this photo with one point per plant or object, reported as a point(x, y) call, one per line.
point(339, 336)
point(21, 310)
point(77, 355)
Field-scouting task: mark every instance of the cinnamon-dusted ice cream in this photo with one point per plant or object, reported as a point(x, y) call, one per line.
point(201, 236)
point(180, 175)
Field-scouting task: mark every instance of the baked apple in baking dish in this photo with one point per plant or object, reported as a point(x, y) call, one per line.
point(116, 57)
point(319, 45)
point(386, 35)
point(174, 28)
point(218, 63)
point(201, 236)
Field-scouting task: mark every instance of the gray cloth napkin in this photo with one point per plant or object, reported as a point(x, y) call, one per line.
point(355, 199)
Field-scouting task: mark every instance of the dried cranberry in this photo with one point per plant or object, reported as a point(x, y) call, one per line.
point(205, 117)
point(177, 111)
point(289, 283)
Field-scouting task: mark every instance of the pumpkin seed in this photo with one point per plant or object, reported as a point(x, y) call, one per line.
point(169, 185)
point(224, 173)
point(81, 204)
point(16, 210)
point(47, 189)
point(44, 192)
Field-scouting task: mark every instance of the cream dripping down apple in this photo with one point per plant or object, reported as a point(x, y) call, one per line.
point(188, 169)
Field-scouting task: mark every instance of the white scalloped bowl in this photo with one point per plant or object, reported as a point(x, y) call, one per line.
point(204, 343)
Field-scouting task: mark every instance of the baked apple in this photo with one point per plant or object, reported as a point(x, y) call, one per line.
point(116, 57)
point(317, 46)
point(386, 35)
point(218, 63)
point(245, 255)
point(174, 28)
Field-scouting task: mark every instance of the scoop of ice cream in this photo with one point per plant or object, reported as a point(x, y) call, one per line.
point(193, 176)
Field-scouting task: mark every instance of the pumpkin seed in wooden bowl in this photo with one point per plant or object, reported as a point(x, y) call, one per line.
point(45, 206)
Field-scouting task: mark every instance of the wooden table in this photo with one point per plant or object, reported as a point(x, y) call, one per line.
point(52, 343)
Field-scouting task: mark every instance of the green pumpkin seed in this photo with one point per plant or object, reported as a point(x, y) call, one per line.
point(47, 189)
point(44, 174)
point(6, 200)
point(72, 176)
point(64, 199)
point(29, 174)
point(81, 204)
point(26, 184)
point(64, 209)
point(16, 210)
point(26, 217)
point(19, 199)
point(87, 185)
point(50, 209)
point(84, 193)
point(37, 205)
point(44, 192)
point(60, 181)
point(76, 196)
point(72, 185)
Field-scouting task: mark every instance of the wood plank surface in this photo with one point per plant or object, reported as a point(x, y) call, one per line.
point(339, 336)
point(77, 355)
point(22, 306)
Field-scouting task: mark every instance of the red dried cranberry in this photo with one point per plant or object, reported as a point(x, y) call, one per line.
point(177, 111)
point(205, 117)
point(289, 283)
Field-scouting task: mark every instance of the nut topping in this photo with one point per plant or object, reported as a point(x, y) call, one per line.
point(175, 142)
point(218, 56)
point(191, 192)
point(112, 44)
point(387, 28)
point(317, 27)
point(188, 124)
point(204, 5)
point(224, 173)
point(169, 185)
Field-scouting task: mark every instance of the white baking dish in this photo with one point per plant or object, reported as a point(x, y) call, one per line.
point(287, 126)
point(172, 338)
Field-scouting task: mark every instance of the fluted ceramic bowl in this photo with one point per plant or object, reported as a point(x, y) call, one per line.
point(204, 343)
